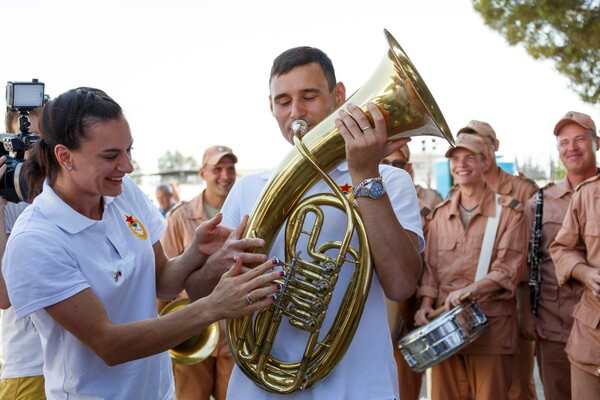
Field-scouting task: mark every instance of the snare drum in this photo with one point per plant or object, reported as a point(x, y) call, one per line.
point(443, 337)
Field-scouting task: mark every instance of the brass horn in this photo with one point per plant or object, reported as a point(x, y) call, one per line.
point(410, 110)
point(197, 348)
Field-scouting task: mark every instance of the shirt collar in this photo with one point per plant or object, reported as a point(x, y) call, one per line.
point(197, 207)
point(486, 207)
point(61, 214)
point(563, 188)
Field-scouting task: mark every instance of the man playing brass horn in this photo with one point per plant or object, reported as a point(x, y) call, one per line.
point(303, 87)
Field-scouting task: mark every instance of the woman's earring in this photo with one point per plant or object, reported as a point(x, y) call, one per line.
point(70, 167)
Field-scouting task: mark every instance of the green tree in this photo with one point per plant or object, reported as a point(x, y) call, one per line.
point(176, 162)
point(174, 165)
point(531, 170)
point(557, 169)
point(564, 31)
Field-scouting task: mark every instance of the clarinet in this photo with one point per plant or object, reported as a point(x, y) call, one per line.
point(534, 257)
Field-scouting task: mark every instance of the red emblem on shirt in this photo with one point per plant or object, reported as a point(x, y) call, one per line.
point(136, 227)
point(346, 188)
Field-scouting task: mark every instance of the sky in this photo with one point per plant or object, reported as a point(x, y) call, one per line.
point(190, 74)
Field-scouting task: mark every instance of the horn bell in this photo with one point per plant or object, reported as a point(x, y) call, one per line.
point(197, 348)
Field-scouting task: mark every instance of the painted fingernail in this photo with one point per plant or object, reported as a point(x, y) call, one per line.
point(279, 287)
point(235, 258)
point(273, 297)
point(275, 261)
point(282, 273)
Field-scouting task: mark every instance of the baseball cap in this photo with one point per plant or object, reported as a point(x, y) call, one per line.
point(481, 128)
point(469, 142)
point(581, 119)
point(213, 155)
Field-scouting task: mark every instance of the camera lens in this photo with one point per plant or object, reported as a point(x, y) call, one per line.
point(13, 186)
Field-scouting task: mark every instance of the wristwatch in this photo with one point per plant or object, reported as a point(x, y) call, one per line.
point(372, 187)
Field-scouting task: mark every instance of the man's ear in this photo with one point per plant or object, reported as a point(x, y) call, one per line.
point(340, 93)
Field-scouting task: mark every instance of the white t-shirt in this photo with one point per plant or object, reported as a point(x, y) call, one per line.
point(65, 253)
point(368, 369)
point(21, 347)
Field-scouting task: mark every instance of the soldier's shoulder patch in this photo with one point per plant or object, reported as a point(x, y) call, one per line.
point(548, 185)
point(511, 202)
point(176, 207)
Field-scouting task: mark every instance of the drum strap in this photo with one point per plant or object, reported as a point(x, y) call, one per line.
point(488, 242)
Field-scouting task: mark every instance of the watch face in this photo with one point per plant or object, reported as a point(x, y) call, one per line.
point(376, 189)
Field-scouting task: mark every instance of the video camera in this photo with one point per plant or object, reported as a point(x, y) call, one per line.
point(22, 97)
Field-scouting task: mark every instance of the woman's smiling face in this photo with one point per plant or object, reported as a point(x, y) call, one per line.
point(103, 159)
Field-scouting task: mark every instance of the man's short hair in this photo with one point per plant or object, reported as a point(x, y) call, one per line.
point(298, 56)
point(165, 188)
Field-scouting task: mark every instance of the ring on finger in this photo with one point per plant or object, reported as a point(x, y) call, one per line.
point(249, 300)
point(365, 128)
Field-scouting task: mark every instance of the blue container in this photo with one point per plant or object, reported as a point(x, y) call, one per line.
point(443, 178)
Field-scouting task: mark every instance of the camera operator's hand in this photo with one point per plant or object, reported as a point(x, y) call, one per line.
point(3, 166)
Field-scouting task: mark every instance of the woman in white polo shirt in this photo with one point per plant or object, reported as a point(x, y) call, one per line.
point(85, 261)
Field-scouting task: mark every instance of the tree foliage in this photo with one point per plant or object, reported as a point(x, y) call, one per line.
point(557, 169)
point(174, 165)
point(564, 31)
point(532, 170)
point(175, 161)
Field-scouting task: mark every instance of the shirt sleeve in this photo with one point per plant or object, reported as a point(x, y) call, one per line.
point(403, 196)
point(238, 196)
point(568, 249)
point(12, 212)
point(46, 276)
point(171, 240)
point(429, 286)
point(507, 267)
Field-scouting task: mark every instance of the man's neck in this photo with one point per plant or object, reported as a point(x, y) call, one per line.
point(470, 195)
point(213, 200)
point(575, 179)
point(492, 175)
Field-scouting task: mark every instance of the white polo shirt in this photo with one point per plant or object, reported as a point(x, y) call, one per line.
point(54, 253)
point(368, 369)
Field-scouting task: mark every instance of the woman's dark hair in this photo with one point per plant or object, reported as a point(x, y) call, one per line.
point(65, 120)
point(298, 56)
